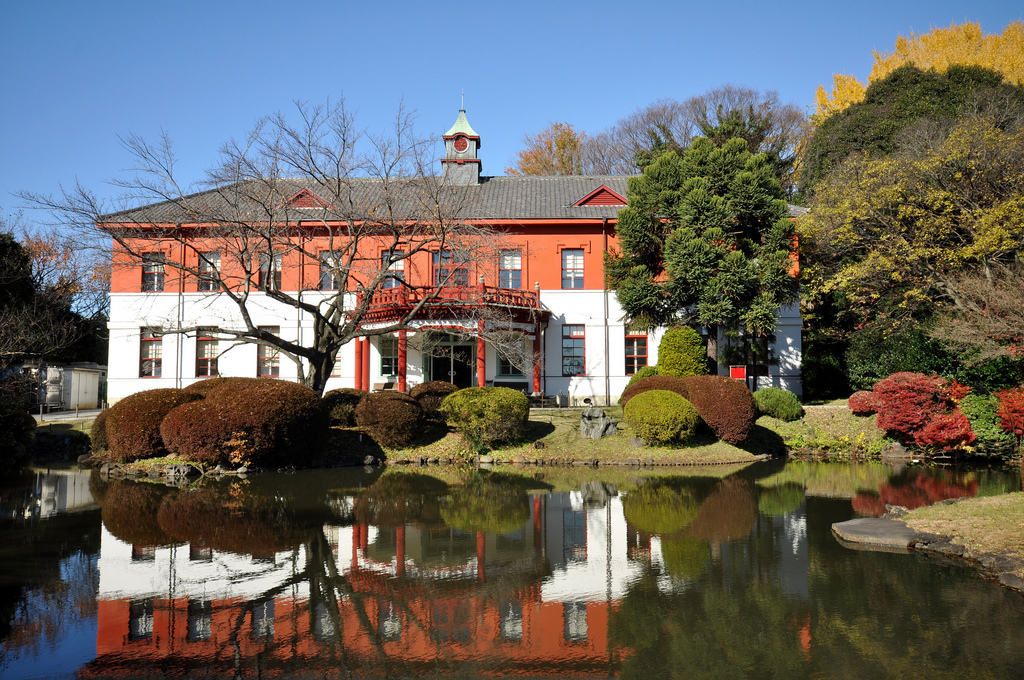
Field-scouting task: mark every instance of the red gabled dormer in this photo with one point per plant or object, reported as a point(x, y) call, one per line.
point(600, 196)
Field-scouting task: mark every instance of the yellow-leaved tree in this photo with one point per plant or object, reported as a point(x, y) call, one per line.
point(939, 48)
point(555, 150)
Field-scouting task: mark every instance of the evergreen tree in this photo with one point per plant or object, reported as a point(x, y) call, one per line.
point(705, 237)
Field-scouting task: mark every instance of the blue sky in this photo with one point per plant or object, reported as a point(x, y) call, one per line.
point(76, 75)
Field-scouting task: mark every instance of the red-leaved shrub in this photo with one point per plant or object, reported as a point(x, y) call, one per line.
point(946, 430)
point(98, 433)
point(431, 393)
point(862, 403)
point(132, 425)
point(920, 409)
point(654, 382)
point(725, 404)
point(954, 391)
point(204, 387)
point(254, 421)
point(339, 406)
point(1011, 410)
point(394, 419)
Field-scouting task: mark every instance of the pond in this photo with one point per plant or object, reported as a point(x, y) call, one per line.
point(533, 573)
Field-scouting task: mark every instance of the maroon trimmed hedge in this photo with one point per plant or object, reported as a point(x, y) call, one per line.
point(394, 419)
point(654, 382)
point(132, 425)
point(725, 404)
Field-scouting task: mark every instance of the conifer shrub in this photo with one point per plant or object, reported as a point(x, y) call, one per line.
point(662, 416)
point(252, 421)
point(862, 403)
point(393, 419)
point(487, 415)
point(431, 394)
point(339, 406)
point(132, 425)
point(778, 403)
point(725, 404)
point(644, 372)
point(655, 382)
point(981, 411)
point(681, 353)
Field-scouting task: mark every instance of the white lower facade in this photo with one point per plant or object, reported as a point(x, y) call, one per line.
point(593, 313)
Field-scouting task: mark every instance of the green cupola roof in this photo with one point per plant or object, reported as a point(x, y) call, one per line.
point(461, 126)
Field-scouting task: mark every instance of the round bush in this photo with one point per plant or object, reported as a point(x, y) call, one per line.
point(662, 416)
point(778, 403)
point(253, 421)
point(777, 501)
point(394, 419)
point(98, 433)
point(483, 504)
point(129, 512)
point(431, 394)
point(204, 387)
point(685, 557)
point(981, 412)
point(339, 406)
point(724, 404)
point(862, 403)
point(487, 415)
point(645, 372)
point(655, 382)
point(682, 353)
point(659, 509)
point(907, 402)
point(132, 425)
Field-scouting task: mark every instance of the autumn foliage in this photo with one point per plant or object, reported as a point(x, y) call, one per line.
point(1011, 410)
point(862, 403)
point(555, 150)
point(726, 405)
point(920, 409)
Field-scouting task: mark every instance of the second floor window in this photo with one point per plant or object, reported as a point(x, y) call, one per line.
point(330, 276)
point(209, 271)
point(393, 262)
point(150, 354)
point(206, 357)
point(270, 272)
point(450, 269)
point(153, 273)
point(268, 357)
point(510, 269)
point(572, 268)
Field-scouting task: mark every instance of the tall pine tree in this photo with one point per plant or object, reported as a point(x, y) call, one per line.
point(705, 238)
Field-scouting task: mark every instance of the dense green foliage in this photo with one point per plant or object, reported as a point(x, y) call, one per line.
point(16, 425)
point(992, 440)
point(488, 503)
point(778, 403)
point(394, 419)
point(654, 382)
point(132, 425)
point(897, 102)
point(659, 509)
point(644, 372)
point(682, 353)
point(661, 416)
point(876, 352)
point(252, 421)
point(339, 406)
point(487, 415)
point(431, 393)
point(724, 404)
point(776, 501)
point(705, 235)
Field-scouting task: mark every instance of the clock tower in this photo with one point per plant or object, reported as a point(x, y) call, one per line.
point(460, 165)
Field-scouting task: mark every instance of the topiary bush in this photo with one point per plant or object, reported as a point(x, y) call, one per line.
point(645, 372)
point(486, 503)
point(659, 509)
point(862, 403)
point(132, 425)
point(682, 353)
point(252, 421)
point(431, 394)
point(339, 406)
point(662, 416)
point(129, 511)
point(982, 413)
point(655, 382)
point(724, 404)
point(487, 415)
point(204, 387)
point(394, 419)
point(778, 403)
point(98, 433)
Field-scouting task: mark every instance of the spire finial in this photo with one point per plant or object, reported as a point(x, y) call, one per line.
point(463, 106)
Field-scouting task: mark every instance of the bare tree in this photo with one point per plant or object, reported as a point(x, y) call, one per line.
point(987, 314)
point(318, 191)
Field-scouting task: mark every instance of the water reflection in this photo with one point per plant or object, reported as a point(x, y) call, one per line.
point(724, 573)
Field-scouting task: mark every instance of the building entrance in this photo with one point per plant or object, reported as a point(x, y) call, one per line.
point(453, 362)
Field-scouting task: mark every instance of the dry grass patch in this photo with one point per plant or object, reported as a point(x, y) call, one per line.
point(982, 525)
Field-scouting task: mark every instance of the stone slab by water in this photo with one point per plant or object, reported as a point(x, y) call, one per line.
point(870, 533)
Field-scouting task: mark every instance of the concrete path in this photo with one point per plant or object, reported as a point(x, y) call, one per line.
point(57, 416)
point(869, 533)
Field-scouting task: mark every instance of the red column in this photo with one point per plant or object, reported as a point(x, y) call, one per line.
point(481, 561)
point(355, 546)
point(400, 550)
point(359, 364)
point(364, 537)
point(536, 360)
point(481, 358)
point(402, 357)
point(366, 364)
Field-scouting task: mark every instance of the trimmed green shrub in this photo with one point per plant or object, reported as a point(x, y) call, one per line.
point(394, 419)
point(339, 406)
point(253, 421)
point(431, 394)
point(778, 403)
point(777, 501)
point(132, 425)
point(992, 440)
point(682, 353)
point(659, 509)
point(724, 404)
point(645, 372)
point(662, 416)
point(655, 382)
point(493, 506)
point(487, 415)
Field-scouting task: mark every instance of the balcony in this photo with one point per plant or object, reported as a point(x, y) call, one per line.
point(456, 302)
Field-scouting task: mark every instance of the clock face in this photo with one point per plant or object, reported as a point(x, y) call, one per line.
point(461, 144)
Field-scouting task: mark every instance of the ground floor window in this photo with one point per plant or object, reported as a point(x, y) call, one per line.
point(268, 357)
point(636, 352)
point(573, 350)
point(388, 346)
point(150, 354)
point(206, 357)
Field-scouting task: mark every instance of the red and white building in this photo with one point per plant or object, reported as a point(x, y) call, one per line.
point(545, 281)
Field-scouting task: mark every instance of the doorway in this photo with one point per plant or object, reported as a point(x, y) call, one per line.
point(453, 363)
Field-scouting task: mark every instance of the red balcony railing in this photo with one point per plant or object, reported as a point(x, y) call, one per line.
point(395, 302)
